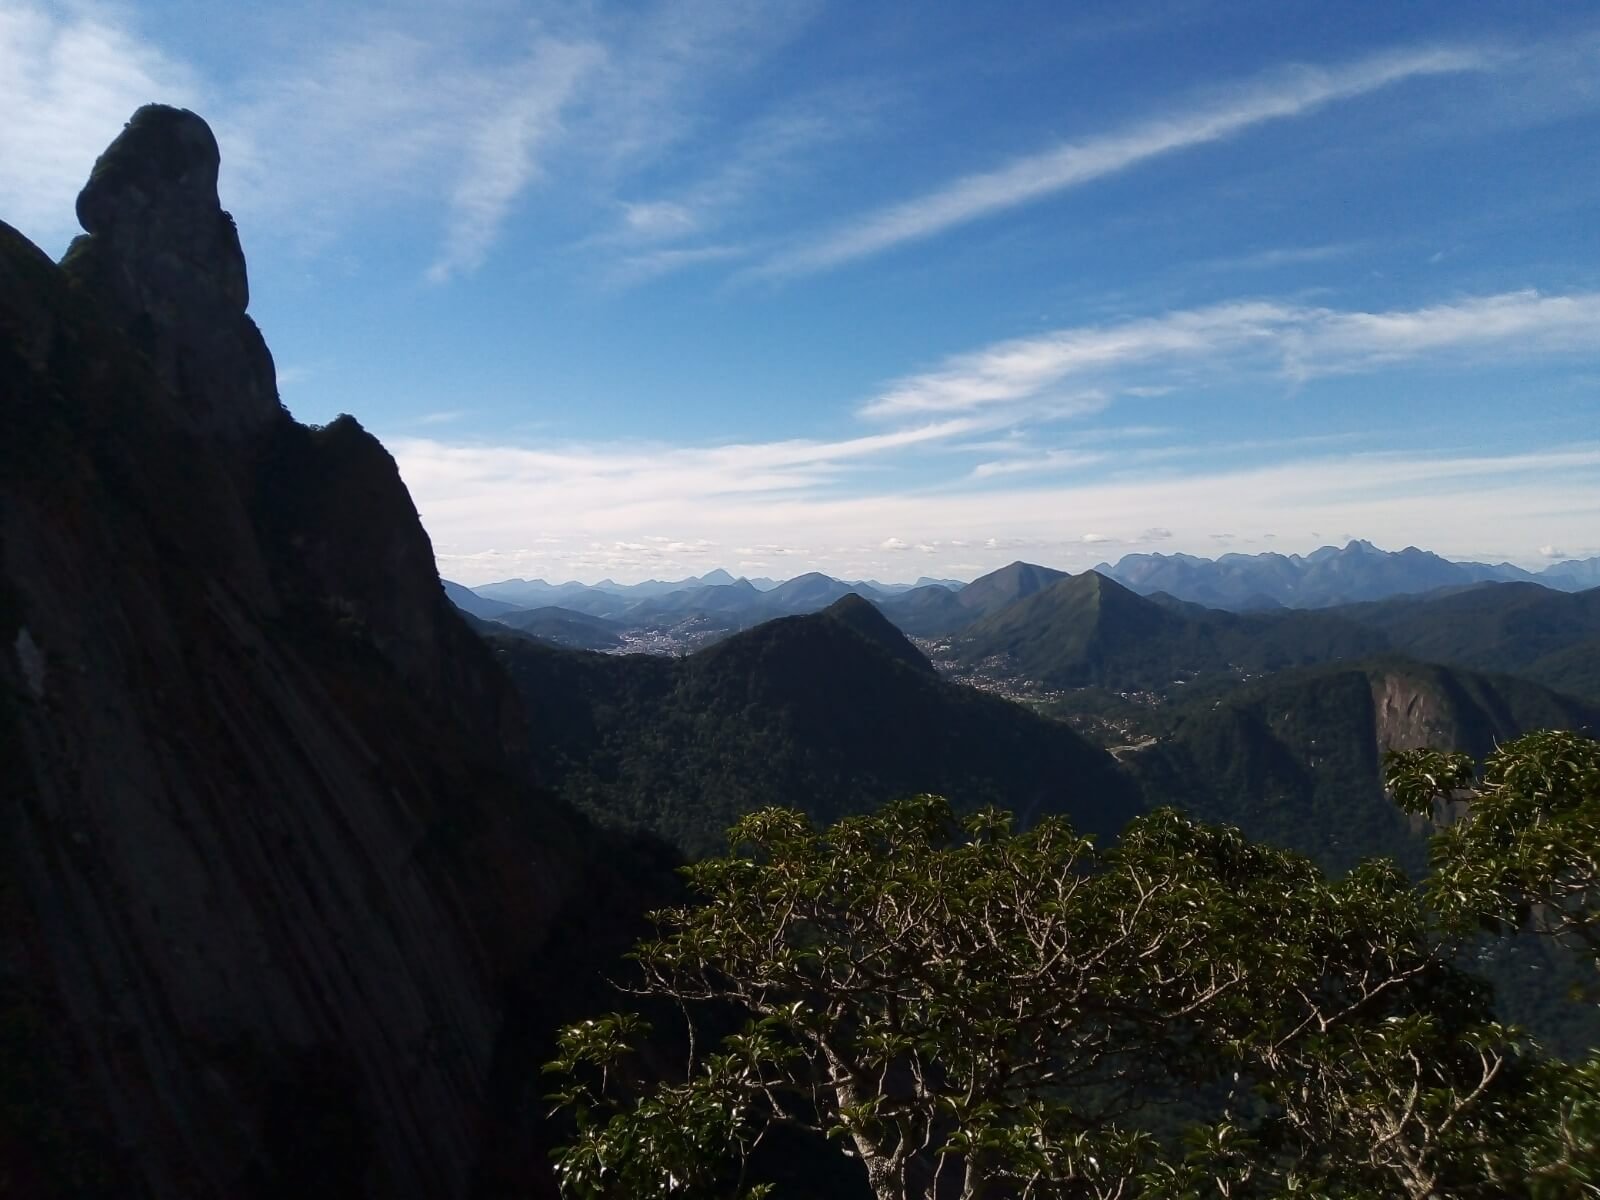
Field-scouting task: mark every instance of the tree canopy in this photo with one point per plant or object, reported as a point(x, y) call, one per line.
point(1527, 849)
point(969, 1010)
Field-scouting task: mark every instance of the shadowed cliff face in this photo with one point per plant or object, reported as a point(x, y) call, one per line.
point(263, 874)
point(164, 260)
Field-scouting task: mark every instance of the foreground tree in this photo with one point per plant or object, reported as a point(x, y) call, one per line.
point(1521, 850)
point(1527, 849)
point(971, 1011)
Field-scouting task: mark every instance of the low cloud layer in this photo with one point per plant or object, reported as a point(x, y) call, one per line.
point(988, 457)
point(492, 515)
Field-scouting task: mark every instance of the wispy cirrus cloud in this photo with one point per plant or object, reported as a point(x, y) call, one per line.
point(1032, 464)
point(395, 111)
point(1522, 322)
point(1024, 368)
point(697, 473)
point(666, 59)
point(1285, 94)
point(1283, 256)
point(644, 265)
point(730, 187)
point(1297, 341)
point(502, 158)
point(756, 158)
point(652, 219)
point(316, 141)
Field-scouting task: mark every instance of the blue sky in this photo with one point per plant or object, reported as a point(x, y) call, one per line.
point(893, 289)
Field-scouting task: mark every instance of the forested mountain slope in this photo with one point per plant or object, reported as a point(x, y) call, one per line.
point(1490, 627)
point(1574, 669)
point(994, 591)
point(1295, 758)
point(564, 627)
point(832, 713)
point(1089, 631)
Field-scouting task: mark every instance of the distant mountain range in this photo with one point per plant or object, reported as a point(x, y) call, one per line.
point(1249, 709)
point(1088, 631)
point(718, 603)
point(469, 601)
point(1329, 576)
point(610, 595)
point(1049, 631)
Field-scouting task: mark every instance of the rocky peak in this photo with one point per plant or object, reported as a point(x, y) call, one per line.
point(164, 260)
point(270, 863)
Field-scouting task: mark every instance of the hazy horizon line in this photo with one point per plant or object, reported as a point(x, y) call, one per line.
point(1550, 560)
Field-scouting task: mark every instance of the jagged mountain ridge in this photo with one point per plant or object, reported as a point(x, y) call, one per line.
point(1328, 577)
point(270, 856)
point(1357, 572)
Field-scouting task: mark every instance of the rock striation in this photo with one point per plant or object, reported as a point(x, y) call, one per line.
point(268, 852)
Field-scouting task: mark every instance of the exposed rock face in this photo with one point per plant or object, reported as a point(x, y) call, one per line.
point(262, 874)
point(1423, 706)
point(1410, 715)
point(165, 258)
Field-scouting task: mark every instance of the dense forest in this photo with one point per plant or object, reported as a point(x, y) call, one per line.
point(832, 713)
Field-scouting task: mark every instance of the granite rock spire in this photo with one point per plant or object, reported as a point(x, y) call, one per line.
point(164, 260)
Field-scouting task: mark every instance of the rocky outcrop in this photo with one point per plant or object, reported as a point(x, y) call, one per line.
point(164, 258)
point(267, 856)
point(1429, 707)
point(1420, 705)
point(1411, 713)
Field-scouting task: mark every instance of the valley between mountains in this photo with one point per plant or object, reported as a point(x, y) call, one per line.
point(1275, 720)
point(1463, 662)
point(306, 855)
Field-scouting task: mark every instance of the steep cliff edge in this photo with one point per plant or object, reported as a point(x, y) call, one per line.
point(1416, 706)
point(263, 874)
point(1297, 758)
